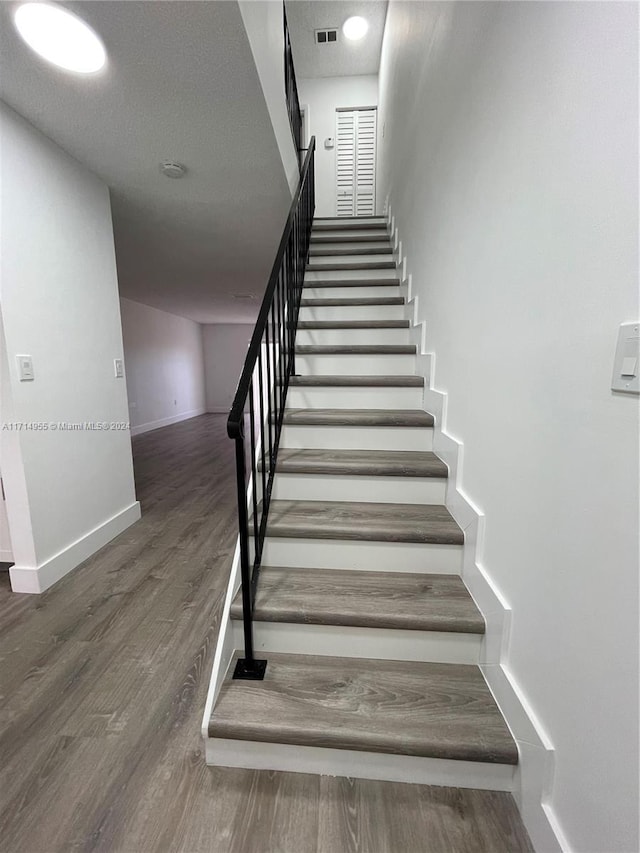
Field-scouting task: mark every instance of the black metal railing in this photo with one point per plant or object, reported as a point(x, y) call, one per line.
point(260, 399)
point(291, 91)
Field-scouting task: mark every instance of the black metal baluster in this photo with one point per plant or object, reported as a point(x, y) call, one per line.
point(257, 546)
point(273, 339)
point(263, 437)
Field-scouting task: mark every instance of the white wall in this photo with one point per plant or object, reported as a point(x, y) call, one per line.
point(68, 492)
point(164, 361)
point(264, 24)
point(225, 349)
point(322, 96)
point(6, 551)
point(510, 157)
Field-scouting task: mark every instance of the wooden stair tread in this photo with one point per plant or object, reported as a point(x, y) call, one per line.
point(349, 263)
point(357, 381)
point(372, 522)
point(398, 707)
point(351, 300)
point(393, 600)
point(337, 249)
point(360, 224)
point(358, 417)
point(352, 235)
point(353, 324)
point(356, 349)
point(351, 282)
point(374, 463)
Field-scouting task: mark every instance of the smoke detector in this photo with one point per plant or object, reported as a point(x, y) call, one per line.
point(172, 169)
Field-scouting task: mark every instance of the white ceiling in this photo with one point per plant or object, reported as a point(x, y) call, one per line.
point(342, 58)
point(181, 83)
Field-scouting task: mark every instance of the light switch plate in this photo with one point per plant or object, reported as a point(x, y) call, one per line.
point(25, 368)
point(626, 376)
point(118, 368)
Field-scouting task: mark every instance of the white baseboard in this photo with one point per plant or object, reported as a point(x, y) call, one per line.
point(39, 578)
point(534, 776)
point(218, 410)
point(6, 556)
point(174, 419)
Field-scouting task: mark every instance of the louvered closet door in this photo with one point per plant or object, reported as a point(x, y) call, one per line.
point(356, 163)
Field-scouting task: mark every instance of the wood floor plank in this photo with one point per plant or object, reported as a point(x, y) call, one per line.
point(88, 763)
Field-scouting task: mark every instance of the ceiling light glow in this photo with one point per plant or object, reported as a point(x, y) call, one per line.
point(355, 28)
point(60, 37)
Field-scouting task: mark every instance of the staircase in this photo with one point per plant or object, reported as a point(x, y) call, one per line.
point(371, 637)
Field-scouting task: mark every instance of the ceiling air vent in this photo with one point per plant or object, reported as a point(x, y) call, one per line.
point(326, 36)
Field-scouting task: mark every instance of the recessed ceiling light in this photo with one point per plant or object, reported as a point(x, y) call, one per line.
point(60, 37)
point(355, 28)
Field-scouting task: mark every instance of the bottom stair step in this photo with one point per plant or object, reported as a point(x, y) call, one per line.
point(442, 711)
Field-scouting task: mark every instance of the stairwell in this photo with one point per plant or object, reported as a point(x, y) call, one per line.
point(371, 636)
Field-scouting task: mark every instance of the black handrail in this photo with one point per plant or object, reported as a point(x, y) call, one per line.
point(291, 90)
point(262, 389)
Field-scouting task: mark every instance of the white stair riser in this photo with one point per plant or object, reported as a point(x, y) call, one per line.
point(353, 312)
point(385, 274)
point(352, 336)
point(357, 438)
point(359, 765)
point(358, 397)
point(356, 365)
point(362, 555)
point(355, 642)
point(371, 291)
point(341, 487)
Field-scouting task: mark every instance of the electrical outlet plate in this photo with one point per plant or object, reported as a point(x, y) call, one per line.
point(626, 365)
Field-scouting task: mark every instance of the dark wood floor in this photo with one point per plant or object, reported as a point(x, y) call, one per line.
point(103, 683)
